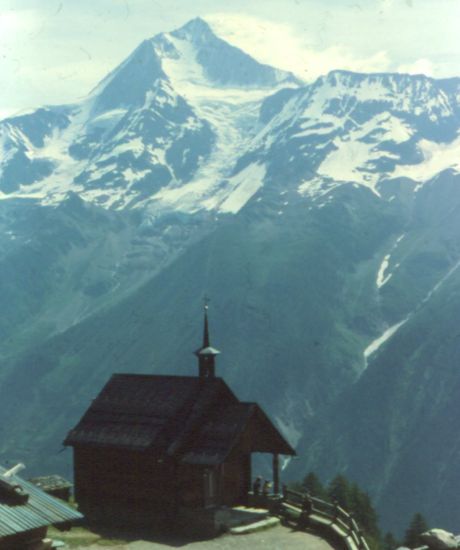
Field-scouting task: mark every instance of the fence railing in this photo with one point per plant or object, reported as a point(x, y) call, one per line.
point(309, 511)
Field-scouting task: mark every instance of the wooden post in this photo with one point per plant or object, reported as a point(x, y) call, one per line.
point(248, 476)
point(276, 476)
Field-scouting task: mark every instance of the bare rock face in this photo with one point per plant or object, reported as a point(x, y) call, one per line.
point(438, 539)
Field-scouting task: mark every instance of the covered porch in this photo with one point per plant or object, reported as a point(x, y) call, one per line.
point(223, 449)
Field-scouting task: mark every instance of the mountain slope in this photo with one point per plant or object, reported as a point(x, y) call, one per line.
point(405, 447)
point(394, 431)
point(295, 339)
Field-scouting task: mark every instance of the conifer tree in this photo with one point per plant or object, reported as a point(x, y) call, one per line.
point(339, 491)
point(364, 512)
point(313, 485)
point(389, 542)
point(417, 526)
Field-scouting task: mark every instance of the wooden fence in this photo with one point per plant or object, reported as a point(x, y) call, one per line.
point(310, 512)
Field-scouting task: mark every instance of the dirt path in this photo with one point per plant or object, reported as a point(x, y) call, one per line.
point(278, 538)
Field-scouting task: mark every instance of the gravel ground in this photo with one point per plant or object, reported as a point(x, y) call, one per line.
point(277, 538)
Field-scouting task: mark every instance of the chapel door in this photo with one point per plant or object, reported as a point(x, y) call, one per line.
point(210, 487)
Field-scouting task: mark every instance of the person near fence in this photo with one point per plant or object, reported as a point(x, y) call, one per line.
point(306, 510)
point(307, 504)
point(266, 488)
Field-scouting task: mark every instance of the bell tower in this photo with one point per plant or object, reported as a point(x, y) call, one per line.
point(206, 354)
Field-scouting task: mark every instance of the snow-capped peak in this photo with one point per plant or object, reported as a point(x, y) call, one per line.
point(362, 129)
point(221, 63)
point(189, 122)
point(196, 30)
point(164, 129)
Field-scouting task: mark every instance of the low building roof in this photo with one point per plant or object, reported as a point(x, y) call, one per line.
point(38, 510)
point(51, 483)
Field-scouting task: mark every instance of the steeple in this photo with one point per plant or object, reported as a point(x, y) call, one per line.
point(206, 354)
point(206, 327)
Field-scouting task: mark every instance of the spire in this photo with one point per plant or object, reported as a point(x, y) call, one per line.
point(206, 354)
point(206, 325)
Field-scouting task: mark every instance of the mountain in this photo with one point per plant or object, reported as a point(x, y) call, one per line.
point(321, 218)
point(171, 114)
point(157, 131)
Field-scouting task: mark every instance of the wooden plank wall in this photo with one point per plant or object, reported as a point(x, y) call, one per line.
point(114, 480)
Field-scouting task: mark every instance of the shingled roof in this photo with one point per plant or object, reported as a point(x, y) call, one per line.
point(148, 411)
point(196, 420)
point(215, 439)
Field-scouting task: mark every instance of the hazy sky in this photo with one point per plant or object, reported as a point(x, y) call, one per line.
point(55, 51)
